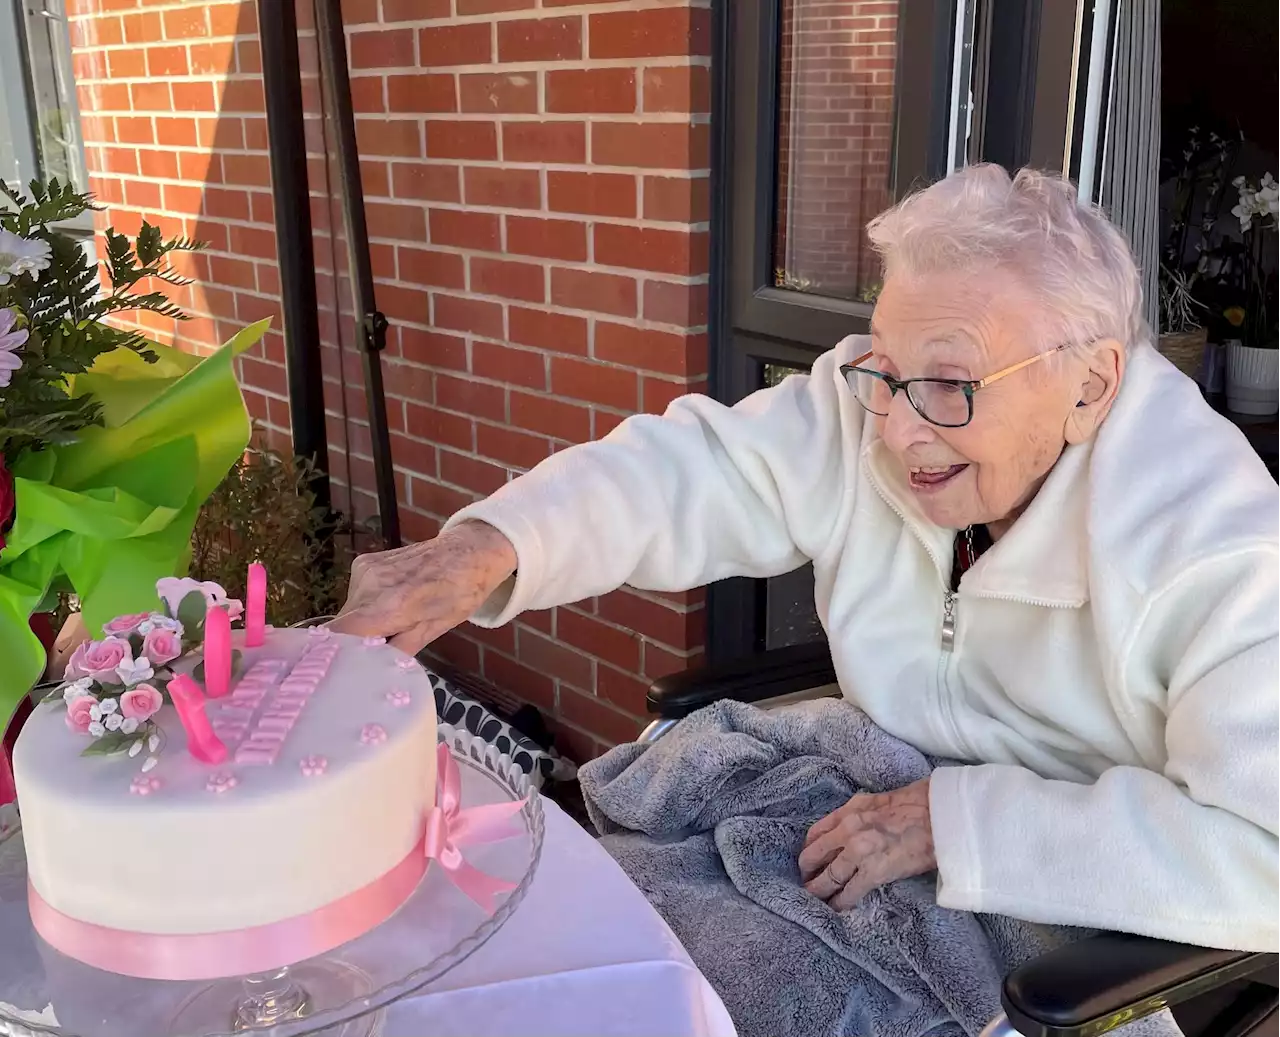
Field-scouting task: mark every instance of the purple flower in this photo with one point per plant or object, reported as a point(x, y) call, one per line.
point(10, 340)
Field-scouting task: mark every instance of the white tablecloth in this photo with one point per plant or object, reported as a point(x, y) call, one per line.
point(584, 954)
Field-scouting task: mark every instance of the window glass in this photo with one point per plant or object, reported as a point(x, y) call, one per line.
point(835, 139)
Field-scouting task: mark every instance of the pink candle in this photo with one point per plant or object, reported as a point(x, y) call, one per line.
point(188, 700)
point(255, 613)
point(217, 652)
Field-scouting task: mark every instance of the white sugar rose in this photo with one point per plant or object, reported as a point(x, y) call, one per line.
point(172, 589)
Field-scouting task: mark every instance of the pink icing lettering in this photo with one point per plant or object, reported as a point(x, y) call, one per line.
point(188, 700)
point(252, 754)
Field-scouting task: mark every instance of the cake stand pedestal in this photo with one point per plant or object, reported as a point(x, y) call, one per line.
point(341, 993)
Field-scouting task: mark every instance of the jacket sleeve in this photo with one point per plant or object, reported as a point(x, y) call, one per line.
point(1185, 852)
point(670, 503)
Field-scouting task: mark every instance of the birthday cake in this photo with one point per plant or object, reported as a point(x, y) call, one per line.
point(194, 814)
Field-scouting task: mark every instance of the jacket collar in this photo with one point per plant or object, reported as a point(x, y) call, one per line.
point(1042, 560)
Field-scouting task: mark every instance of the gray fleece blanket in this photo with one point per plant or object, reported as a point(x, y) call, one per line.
point(709, 822)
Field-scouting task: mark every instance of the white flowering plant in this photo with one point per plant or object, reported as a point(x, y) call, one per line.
point(113, 687)
point(1256, 209)
point(53, 311)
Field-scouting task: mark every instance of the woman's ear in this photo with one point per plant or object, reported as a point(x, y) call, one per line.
point(1104, 369)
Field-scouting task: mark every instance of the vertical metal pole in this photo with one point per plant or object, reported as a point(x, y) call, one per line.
point(372, 324)
point(282, 86)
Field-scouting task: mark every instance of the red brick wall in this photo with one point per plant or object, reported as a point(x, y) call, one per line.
point(535, 175)
point(836, 87)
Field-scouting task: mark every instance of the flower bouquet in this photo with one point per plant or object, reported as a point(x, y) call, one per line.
point(109, 443)
point(114, 686)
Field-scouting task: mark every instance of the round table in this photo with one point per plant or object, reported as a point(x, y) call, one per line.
point(584, 954)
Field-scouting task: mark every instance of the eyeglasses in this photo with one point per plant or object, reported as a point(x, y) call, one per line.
point(946, 402)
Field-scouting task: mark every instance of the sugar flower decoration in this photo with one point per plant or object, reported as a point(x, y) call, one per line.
point(10, 340)
point(134, 671)
point(99, 659)
point(399, 698)
point(223, 781)
point(172, 589)
point(79, 713)
point(123, 626)
point(313, 766)
point(144, 785)
point(155, 621)
point(373, 734)
point(141, 702)
point(19, 255)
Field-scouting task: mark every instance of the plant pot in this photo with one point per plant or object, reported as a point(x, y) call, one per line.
point(1185, 350)
point(1253, 379)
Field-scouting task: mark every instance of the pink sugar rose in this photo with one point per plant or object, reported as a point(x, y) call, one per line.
point(140, 702)
point(124, 625)
point(99, 659)
point(78, 718)
point(161, 646)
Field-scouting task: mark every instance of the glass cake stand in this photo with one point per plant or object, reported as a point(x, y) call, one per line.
point(342, 992)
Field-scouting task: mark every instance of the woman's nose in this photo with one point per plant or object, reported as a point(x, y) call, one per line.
point(903, 427)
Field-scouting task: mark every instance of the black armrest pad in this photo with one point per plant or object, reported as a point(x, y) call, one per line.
point(783, 671)
point(1093, 985)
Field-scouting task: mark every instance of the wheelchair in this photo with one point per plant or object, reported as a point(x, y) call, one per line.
point(1082, 990)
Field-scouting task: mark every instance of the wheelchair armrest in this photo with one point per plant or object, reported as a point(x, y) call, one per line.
point(782, 671)
point(1089, 987)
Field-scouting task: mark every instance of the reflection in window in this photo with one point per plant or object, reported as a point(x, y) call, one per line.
point(774, 373)
point(835, 137)
point(39, 118)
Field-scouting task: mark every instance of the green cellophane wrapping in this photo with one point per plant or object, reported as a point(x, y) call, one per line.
point(112, 513)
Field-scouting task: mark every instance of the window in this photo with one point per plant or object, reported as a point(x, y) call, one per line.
point(836, 70)
point(39, 118)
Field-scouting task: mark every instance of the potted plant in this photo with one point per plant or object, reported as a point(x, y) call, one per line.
point(1253, 371)
point(1182, 333)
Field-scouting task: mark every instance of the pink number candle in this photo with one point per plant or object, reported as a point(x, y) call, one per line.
point(217, 652)
point(188, 700)
point(255, 613)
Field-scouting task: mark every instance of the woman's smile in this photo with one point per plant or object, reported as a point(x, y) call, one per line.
point(935, 478)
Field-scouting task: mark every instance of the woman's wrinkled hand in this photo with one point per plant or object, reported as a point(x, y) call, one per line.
point(414, 594)
point(873, 839)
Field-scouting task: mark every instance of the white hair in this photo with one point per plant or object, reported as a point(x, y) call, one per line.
point(1070, 256)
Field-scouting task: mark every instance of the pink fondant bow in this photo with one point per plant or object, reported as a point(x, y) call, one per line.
point(450, 828)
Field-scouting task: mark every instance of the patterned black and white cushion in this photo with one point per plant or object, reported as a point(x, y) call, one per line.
point(459, 712)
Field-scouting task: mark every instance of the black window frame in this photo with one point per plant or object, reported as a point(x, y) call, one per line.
point(1025, 84)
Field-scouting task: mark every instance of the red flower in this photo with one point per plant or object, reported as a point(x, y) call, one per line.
point(6, 501)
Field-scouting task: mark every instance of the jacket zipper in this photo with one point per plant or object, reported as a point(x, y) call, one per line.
point(949, 621)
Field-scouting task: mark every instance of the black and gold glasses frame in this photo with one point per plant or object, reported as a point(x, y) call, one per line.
point(945, 402)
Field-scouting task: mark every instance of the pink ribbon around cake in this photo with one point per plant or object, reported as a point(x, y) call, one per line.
point(192, 956)
point(450, 828)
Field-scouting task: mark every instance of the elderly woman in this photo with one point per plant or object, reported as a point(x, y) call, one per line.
point(1036, 550)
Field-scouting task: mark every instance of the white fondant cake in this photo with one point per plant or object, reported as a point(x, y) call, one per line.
point(329, 775)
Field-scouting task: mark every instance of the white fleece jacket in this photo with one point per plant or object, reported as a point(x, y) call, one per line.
point(1115, 676)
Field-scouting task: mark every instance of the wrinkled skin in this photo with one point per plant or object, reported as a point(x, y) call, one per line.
point(871, 840)
point(967, 325)
point(414, 594)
